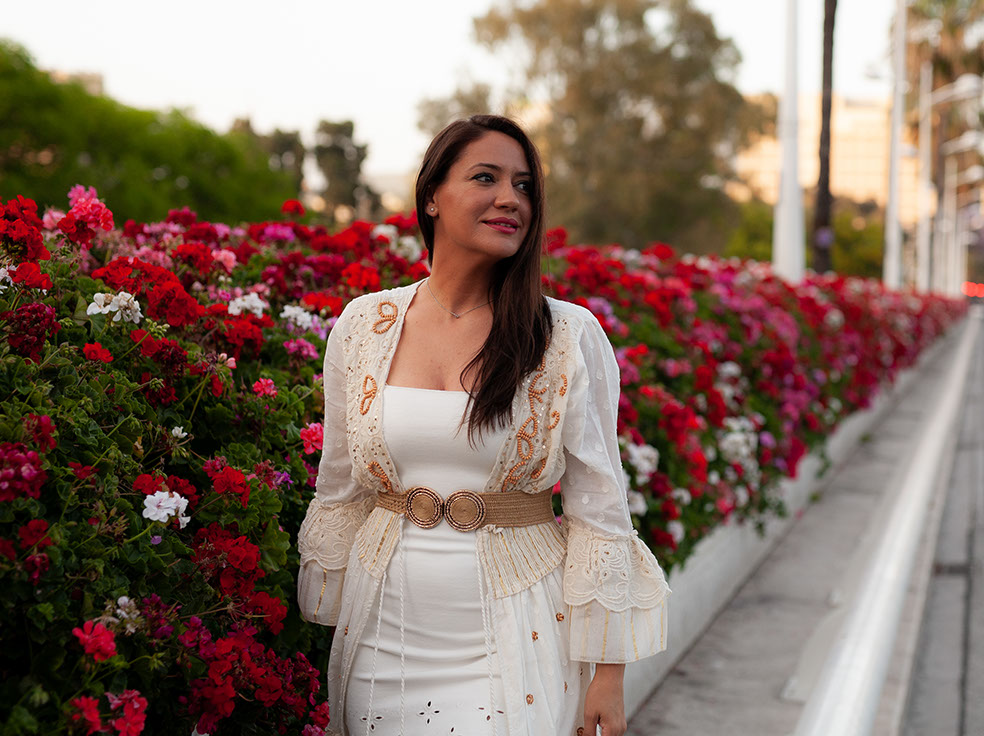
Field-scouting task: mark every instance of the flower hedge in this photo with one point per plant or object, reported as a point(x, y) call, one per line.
point(161, 428)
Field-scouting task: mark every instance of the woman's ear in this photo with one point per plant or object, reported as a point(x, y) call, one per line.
point(431, 205)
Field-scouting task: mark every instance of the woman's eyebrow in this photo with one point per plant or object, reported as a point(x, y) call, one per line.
point(496, 167)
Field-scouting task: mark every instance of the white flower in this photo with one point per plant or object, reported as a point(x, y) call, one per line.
point(385, 231)
point(834, 319)
point(125, 305)
point(127, 308)
point(682, 496)
point(297, 316)
point(675, 528)
point(162, 505)
point(644, 458)
point(741, 495)
point(179, 432)
point(408, 247)
point(637, 503)
point(249, 303)
point(4, 276)
point(101, 304)
point(729, 369)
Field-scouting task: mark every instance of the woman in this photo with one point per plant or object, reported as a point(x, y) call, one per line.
point(453, 406)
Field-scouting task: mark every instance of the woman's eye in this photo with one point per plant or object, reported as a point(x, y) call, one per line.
point(484, 176)
point(525, 186)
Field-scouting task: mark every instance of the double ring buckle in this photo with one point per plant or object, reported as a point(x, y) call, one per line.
point(424, 507)
point(463, 510)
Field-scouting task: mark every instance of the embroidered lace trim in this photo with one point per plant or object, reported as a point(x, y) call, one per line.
point(328, 531)
point(618, 572)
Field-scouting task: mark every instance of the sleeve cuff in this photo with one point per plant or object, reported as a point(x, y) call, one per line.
point(617, 593)
point(319, 593)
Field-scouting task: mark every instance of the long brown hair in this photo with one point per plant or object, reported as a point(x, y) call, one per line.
point(520, 314)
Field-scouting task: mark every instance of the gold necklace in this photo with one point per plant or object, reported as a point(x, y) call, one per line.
point(453, 314)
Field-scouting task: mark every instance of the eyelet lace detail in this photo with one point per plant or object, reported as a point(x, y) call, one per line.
point(618, 572)
point(328, 530)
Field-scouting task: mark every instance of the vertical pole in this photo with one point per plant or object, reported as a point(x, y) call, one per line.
point(950, 226)
point(788, 245)
point(892, 268)
point(923, 247)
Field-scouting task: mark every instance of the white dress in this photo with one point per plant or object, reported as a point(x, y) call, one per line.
point(450, 671)
point(554, 599)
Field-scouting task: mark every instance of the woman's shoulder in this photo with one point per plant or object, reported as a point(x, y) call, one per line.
point(570, 314)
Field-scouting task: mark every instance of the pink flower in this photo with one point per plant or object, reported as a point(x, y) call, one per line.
point(301, 348)
point(313, 437)
point(265, 387)
point(80, 192)
point(97, 640)
point(51, 218)
point(225, 257)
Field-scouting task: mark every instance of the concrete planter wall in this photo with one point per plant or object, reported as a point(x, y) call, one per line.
point(725, 559)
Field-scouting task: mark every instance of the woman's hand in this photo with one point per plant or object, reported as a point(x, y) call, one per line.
point(604, 702)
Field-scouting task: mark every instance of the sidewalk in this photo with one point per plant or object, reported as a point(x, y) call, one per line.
point(948, 677)
point(750, 672)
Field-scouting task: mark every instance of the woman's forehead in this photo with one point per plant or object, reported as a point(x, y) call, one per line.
point(495, 149)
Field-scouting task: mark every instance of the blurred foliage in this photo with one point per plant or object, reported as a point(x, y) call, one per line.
point(859, 235)
point(143, 163)
point(639, 119)
point(340, 159)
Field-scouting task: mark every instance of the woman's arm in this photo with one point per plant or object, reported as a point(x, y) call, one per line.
point(612, 581)
point(604, 703)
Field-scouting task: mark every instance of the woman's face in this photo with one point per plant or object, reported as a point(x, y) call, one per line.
point(483, 205)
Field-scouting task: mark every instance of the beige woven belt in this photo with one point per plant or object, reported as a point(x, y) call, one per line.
point(467, 511)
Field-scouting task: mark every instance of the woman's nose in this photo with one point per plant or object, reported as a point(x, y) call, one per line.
point(505, 196)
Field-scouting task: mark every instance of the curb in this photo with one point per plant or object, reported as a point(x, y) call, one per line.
point(727, 557)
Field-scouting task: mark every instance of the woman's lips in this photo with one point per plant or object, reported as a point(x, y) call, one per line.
point(502, 227)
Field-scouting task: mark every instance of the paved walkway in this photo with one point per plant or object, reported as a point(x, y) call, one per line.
point(947, 692)
point(750, 672)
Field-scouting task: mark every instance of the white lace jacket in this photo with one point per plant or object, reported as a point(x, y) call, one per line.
point(563, 429)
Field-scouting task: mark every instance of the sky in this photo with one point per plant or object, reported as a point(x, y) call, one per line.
point(291, 63)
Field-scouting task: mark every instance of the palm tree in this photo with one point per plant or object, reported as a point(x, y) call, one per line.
point(822, 232)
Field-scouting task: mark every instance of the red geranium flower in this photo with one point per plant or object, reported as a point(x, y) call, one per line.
point(292, 207)
point(35, 532)
point(131, 723)
point(89, 712)
point(95, 351)
point(81, 471)
point(30, 275)
point(97, 640)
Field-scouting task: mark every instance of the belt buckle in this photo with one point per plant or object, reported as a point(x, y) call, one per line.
point(424, 507)
point(464, 511)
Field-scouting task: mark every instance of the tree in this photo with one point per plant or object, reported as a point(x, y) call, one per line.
point(142, 162)
point(640, 119)
point(956, 48)
point(823, 235)
point(340, 159)
point(434, 115)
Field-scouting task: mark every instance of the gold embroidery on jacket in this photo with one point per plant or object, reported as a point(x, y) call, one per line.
point(376, 470)
point(368, 393)
point(386, 318)
point(556, 419)
point(563, 389)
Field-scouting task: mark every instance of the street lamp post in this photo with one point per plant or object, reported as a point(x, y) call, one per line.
point(788, 245)
point(892, 268)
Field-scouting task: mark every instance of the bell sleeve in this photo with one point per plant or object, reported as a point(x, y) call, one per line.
point(613, 584)
point(340, 505)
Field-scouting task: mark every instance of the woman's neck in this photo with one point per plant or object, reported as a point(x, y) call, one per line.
point(458, 288)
